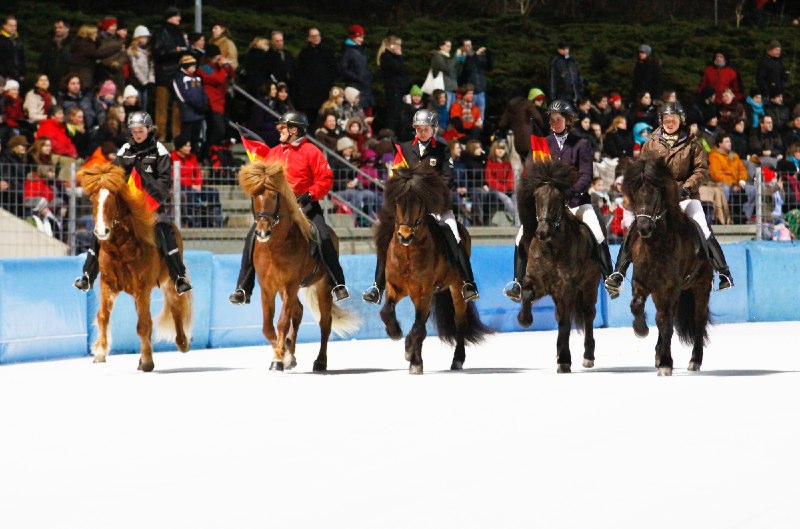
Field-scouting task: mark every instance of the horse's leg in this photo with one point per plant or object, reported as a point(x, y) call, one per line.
point(388, 314)
point(177, 305)
point(325, 307)
point(702, 292)
point(563, 317)
point(101, 346)
point(589, 311)
point(268, 308)
point(297, 316)
point(666, 304)
point(640, 294)
point(144, 328)
point(525, 315)
point(289, 299)
point(417, 334)
point(460, 315)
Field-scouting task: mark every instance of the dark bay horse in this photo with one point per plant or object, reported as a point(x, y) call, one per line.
point(668, 262)
point(284, 262)
point(560, 261)
point(417, 266)
point(130, 262)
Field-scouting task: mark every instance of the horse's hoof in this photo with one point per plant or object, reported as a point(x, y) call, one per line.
point(641, 330)
point(394, 334)
point(415, 369)
point(694, 366)
point(183, 345)
point(665, 371)
point(289, 361)
point(276, 366)
point(99, 360)
point(319, 367)
point(457, 365)
point(564, 368)
point(588, 363)
point(146, 366)
point(525, 319)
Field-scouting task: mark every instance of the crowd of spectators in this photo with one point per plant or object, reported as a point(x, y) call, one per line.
point(89, 79)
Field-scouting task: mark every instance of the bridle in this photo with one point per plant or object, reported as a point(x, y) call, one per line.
point(414, 226)
point(654, 218)
point(273, 217)
point(555, 222)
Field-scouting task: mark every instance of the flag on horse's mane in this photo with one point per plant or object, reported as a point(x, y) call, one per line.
point(135, 185)
point(256, 148)
point(399, 160)
point(540, 151)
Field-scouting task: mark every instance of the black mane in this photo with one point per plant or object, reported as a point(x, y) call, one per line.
point(537, 174)
point(652, 171)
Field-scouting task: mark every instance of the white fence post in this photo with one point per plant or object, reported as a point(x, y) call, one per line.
point(176, 192)
point(72, 211)
point(759, 202)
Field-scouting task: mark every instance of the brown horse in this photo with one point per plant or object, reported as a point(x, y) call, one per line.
point(417, 266)
point(668, 262)
point(560, 260)
point(285, 260)
point(130, 262)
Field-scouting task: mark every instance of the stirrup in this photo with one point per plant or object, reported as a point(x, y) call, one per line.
point(469, 292)
point(614, 283)
point(373, 295)
point(725, 281)
point(182, 285)
point(339, 292)
point(82, 283)
point(513, 291)
point(239, 297)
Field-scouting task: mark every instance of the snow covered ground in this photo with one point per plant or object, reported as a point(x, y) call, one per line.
point(211, 439)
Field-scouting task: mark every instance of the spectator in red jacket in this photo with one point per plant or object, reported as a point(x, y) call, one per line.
point(499, 176)
point(36, 184)
point(216, 74)
point(53, 129)
point(720, 76)
point(15, 119)
point(465, 116)
point(201, 206)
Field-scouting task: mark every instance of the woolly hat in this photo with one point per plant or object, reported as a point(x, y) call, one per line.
point(129, 92)
point(350, 94)
point(212, 50)
point(368, 155)
point(107, 23)
point(36, 204)
point(534, 94)
point(345, 143)
point(11, 84)
point(187, 60)
point(415, 91)
point(108, 88)
point(141, 31)
point(172, 12)
point(706, 92)
point(644, 48)
point(16, 141)
point(771, 45)
point(355, 31)
point(614, 98)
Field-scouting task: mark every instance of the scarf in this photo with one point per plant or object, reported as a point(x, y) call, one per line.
point(444, 53)
point(561, 139)
point(670, 138)
point(795, 161)
point(758, 110)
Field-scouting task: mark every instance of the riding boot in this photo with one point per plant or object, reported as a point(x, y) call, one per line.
point(374, 293)
point(513, 290)
point(459, 252)
point(330, 258)
point(247, 274)
point(604, 258)
point(720, 265)
point(168, 245)
point(91, 267)
point(613, 282)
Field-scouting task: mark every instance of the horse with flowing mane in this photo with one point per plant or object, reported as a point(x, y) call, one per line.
point(130, 262)
point(669, 263)
point(560, 258)
point(287, 261)
point(417, 266)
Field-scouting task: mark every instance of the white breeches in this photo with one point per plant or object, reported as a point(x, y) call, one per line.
point(586, 214)
point(448, 218)
point(690, 207)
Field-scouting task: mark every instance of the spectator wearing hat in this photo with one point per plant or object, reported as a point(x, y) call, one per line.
point(197, 45)
point(354, 69)
point(647, 74)
point(142, 77)
point(53, 129)
point(345, 182)
point(771, 75)
point(720, 76)
point(315, 74)
point(465, 117)
point(778, 111)
point(12, 174)
point(112, 65)
point(104, 99)
point(54, 59)
point(201, 207)
point(168, 46)
point(566, 81)
point(42, 217)
point(280, 60)
point(12, 54)
point(216, 74)
point(395, 78)
point(352, 109)
point(192, 99)
point(472, 65)
point(130, 100)
point(221, 37)
point(754, 107)
point(406, 131)
point(15, 121)
point(522, 117)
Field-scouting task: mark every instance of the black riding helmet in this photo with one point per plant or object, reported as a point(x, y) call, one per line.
point(562, 107)
point(673, 108)
point(294, 119)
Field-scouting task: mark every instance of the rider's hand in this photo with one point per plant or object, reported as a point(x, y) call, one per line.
point(304, 199)
point(685, 193)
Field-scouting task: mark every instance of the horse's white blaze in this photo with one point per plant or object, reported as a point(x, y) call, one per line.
point(101, 201)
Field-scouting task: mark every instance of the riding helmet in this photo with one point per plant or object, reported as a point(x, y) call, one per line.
point(562, 107)
point(294, 119)
point(140, 119)
point(425, 117)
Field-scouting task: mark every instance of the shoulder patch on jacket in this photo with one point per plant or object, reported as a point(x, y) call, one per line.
point(162, 151)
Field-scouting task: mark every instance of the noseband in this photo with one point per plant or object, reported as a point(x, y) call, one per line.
point(555, 222)
point(273, 217)
point(654, 218)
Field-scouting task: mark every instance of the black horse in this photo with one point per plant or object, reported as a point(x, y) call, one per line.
point(670, 263)
point(560, 258)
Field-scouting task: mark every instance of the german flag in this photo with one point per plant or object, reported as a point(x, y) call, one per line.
point(399, 160)
point(135, 185)
point(256, 149)
point(540, 151)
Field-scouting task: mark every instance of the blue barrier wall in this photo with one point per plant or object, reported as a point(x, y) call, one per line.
point(43, 317)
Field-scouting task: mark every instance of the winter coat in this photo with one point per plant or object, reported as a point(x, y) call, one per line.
point(447, 65)
point(38, 188)
point(38, 104)
point(395, 76)
point(281, 66)
point(779, 114)
point(687, 159)
point(354, 70)
point(471, 69)
point(765, 141)
point(152, 162)
point(499, 176)
point(436, 156)
point(524, 119)
point(190, 169)
point(115, 57)
point(328, 138)
point(227, 49)
point(56, 132)
point(730, 114)
point(725, 168)
point(83, 58)
point(791, 137)
point(86, 102)
point(215, 82)
point(721, 79)
point(577, 153)
point(618, 144)
point(771, 76)
point(12, 57)
point(647, 77)
point(169, 44)
point(307, 170)
point(191, 96)
point(54, 60)
point(142, 70)
point(256, 70)
point(315, 73)
point(14, 111)
point(566, 81)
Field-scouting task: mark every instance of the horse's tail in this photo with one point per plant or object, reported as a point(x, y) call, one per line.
point(344, 323)
point(165, 323)
point(685, 322)
point(445, 320)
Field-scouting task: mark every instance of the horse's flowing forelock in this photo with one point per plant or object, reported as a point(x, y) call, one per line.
point(257, 177)
point(112, 178)
point(537, 174)
point(418, 185)
point(651, 171)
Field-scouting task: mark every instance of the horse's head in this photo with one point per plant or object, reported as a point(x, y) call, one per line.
point(273, 199)
point(651, 190)
point(544, 190)
point(411, 194)
point(104, 184)
point(549, 211)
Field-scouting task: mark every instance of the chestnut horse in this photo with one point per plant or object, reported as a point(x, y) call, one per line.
point(130, 262)
point(285, 260)
point(560, 259)
point(417, 266)
point(669, 263)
